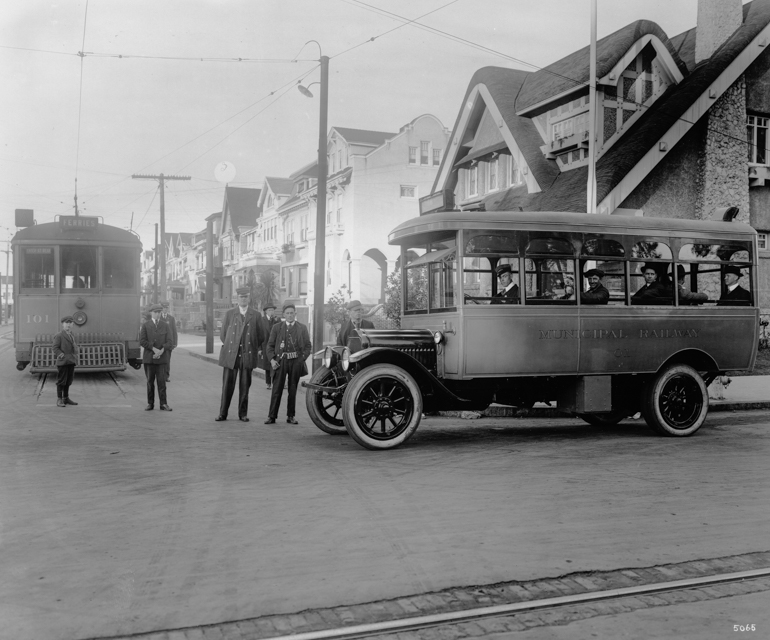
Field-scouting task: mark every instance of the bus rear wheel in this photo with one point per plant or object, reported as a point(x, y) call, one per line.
point(325, 409)
point(675, 402)
point(382, 407)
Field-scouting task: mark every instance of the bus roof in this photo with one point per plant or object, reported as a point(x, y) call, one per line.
point(53, 232)
point(423, 228)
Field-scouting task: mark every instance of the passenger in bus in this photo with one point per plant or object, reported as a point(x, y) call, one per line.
point(685, 295)
point(569, 293)
point(597, 293)
point(735, 294)
point(653, 291)
point(508, 293)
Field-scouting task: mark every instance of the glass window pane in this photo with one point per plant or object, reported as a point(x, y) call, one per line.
point(37, 268)
point(713, 252)
point(550, 279)
point(614, 279)
point(648, 249)
point(78, 267)
point(417, 288)
point(550, 246)
point(442, 284)
point(498, 242)
point(602, 247)
point(119, 267)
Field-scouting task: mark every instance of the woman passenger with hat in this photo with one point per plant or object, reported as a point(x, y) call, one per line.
point(734, 293)
point(354, 322)
point(65, 350)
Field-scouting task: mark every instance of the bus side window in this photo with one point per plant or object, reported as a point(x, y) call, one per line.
point(550, 271)
point(650, 280)
point(605, 254)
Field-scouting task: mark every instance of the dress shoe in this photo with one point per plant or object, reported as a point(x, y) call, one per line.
point(270, 421)
point(149, 407)
point(165, 407)
point(220, 418)
point(291, 420)
point(68, 401)
point(60, 403)
point(268, 387)
point(243, 418)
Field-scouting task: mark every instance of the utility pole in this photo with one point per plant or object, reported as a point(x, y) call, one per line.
point(210, 286)
point(162, 181)
point(155, 259)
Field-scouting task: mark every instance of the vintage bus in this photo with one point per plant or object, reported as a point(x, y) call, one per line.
point(465, 343)
point(80, 267)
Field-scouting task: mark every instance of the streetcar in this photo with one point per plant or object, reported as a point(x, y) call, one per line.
point(77, 266)
point(464, 345)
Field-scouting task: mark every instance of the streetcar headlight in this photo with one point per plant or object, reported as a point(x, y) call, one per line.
point(345, 359)
point(438, 337)
point(327, 359)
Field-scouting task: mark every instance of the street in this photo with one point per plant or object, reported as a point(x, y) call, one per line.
point(118, 521)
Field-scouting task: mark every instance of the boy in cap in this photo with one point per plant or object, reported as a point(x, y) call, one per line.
point(155, 339)
point(508, 292)
point(241, 336)
point(287, 350)
point(597, 293)
point(171, 322)
point(734, 293)
point(354, 321)
point(268, 320)
point(65, 350)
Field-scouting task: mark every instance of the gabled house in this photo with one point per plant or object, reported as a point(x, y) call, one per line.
point(681, 127)
point(240, 211)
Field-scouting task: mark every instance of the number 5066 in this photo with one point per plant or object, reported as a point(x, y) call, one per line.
point(744, 627)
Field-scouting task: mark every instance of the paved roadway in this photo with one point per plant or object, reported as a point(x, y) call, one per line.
point(116, 521)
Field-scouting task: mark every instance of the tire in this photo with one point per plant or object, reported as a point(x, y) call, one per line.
point(382, 407)
point(675, 402)
point(603, 419)
point(325, 410)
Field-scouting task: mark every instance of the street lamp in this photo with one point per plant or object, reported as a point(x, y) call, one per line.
point(320, 219)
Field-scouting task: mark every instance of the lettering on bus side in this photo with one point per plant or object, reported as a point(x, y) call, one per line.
point(598, 334)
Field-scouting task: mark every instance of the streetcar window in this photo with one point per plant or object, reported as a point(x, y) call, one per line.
point(37, 268)
point(550, 271)
point(597, 253)
point(78, 267)
point(706, 264)
point(119, 267)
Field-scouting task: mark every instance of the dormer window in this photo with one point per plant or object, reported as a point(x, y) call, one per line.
point(270, 200)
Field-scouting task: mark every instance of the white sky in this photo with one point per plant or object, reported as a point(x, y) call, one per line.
point(149, 115)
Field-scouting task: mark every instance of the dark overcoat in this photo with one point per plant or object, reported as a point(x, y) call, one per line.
point(738, 296)
point(159, 337)
point(233, 327)
point(600, 295)
point(171, 322)
point(279, 343)
point(347, 328)
point(65, 349)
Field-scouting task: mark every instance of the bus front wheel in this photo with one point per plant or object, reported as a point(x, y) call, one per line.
point(675, 402)
point(325, 408)
point(382, 407)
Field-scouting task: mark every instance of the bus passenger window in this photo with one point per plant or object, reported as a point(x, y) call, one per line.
point(711, 263)
point(603, 255)
point(652, 283)
point(37, 268)
point(78, 267)
point(687, 286)
point(550, 271)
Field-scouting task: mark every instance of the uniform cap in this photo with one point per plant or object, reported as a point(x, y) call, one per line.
point(354, 304)
point(503, 268)
point(164, 304)
point(594, 272)
point(289, 305)
point(269, 305)
point(68, 319)
point(155, 307)
point(241, 291)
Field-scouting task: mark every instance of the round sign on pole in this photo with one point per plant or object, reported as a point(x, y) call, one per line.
point(225, 172)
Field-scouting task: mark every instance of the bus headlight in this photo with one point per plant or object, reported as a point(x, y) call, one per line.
point(438, 337)
point(327, 358)
point(345, 359)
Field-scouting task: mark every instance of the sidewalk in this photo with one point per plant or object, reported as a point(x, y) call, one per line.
point(742, 394)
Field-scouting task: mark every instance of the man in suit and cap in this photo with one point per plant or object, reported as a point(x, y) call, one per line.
point(508, 292)
point(171, 322)
point(653, 291)
point(597, 293)
point(735, 294)
point(287, 349)
point(354, 322)
point(241, 337)
point(65, 351)
point(268, 320)
point(155, 339)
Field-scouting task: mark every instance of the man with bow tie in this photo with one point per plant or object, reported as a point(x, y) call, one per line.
point(241, 337)
point(354, 322)
point(287, 349)
point(65, 350)
point(155, 339)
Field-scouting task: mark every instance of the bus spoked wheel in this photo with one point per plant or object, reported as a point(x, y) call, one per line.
point(325, 408)
point(675, 402)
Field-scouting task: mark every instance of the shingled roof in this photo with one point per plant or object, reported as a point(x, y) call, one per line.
point(363, 136)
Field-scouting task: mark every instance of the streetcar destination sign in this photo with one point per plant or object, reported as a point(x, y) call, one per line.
point(78, 222)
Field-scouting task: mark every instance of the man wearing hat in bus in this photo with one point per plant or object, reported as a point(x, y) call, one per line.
point(171, 322)
point(155, 339)
point(268, 320)
point(508, 293)
point(597, 293)
point(241, 337)
point(685, 295)
point(354, 322)
point(287, 349)
point(735, 294)
point(65, 351)
point(653, 291)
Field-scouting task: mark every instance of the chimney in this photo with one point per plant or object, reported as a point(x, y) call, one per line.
point(717, 21)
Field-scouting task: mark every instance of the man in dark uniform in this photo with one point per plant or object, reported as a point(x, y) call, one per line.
point(241, 337)
point(508, 292)
point(287, 349)
point(597, 293)
point(734, 294)
point(268, 320)
point(171, 322)
point(653, 291)
point(354, 321)
point(65, 350)
point(155, 339)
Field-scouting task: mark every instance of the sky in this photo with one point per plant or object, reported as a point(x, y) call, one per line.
point(161, 88)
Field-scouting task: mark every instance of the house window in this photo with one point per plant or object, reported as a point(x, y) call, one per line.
point(756, 134)
point(407, 191)
point(329, 206)
point(290, 283)
point(412, 155)
point(339, 158)
point(762, 241)
point(303, 229)
point(339, 215)
point(436, 157)
point(270, 200)
point(493, 174)
point(302, 281)
point(473, 174)
point(424, 149)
